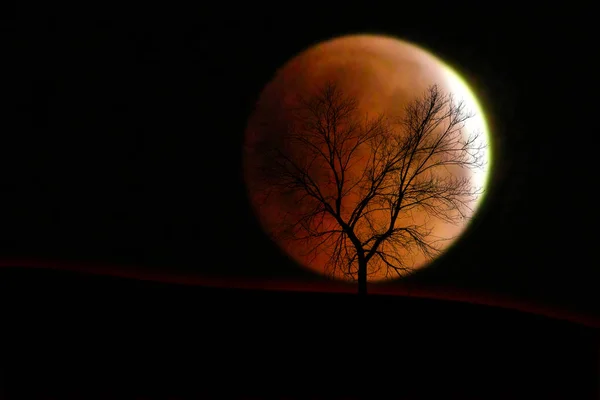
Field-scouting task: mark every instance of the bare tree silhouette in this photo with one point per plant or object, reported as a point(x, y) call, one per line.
point(354, 185)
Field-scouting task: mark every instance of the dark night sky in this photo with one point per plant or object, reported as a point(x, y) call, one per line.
point(122, 133)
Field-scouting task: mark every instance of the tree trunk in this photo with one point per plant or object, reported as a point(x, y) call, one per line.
point(362, 276)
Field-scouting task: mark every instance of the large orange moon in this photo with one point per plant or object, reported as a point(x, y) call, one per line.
point(384, 74)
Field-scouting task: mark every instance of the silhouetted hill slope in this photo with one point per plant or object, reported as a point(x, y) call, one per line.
point(67, 333)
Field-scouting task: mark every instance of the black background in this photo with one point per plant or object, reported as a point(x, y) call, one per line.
point(121, 143)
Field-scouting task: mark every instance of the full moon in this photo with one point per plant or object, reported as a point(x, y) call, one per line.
point(384, 74)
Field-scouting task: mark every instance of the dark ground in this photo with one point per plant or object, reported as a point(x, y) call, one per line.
point(67, 334)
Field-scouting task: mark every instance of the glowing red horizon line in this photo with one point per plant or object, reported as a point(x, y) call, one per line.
point(463, 295)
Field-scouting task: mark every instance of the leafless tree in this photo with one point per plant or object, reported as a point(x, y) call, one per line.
point(354, 183)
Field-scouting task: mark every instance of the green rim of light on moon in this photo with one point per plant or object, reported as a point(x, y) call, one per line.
point(460, 86)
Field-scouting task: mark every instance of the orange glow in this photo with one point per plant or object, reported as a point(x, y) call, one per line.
point(384, 74)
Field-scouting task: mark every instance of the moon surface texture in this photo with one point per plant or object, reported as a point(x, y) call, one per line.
point(384, 74)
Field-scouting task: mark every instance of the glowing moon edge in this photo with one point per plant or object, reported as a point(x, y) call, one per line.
point(460, 89)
